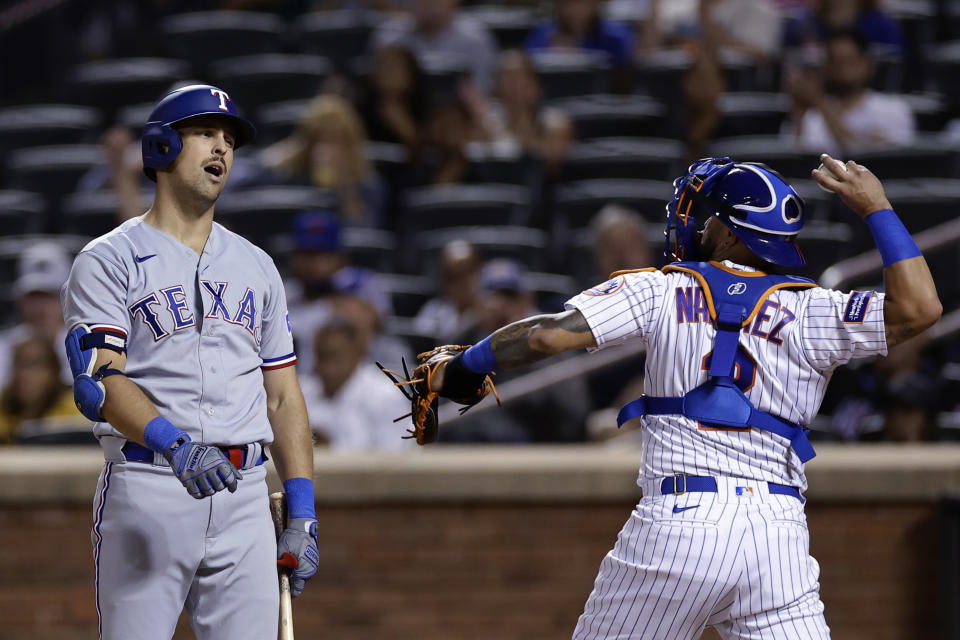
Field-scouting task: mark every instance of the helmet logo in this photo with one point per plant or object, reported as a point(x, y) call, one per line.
point(223, 98)
point(791, 210)
point(737, 288)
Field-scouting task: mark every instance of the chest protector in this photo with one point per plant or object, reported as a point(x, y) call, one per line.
point(733, 299)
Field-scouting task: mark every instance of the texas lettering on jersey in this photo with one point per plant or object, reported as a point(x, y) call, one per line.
point(166, 311)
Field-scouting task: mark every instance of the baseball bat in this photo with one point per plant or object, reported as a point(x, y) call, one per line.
point(278, 511)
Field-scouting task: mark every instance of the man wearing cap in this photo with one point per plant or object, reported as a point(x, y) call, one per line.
point(42, 270)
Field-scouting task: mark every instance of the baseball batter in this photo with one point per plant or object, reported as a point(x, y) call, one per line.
point(180, 347)
point(738, 361)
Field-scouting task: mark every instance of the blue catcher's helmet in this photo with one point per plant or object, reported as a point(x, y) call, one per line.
point(160, 142)
point(756, 204)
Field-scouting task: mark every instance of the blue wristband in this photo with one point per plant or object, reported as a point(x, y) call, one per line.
point(160, 434)
point(300, 503)
point(892, 238)
point(479, 358)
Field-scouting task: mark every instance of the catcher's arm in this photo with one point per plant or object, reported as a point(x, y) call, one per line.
point(535, 338)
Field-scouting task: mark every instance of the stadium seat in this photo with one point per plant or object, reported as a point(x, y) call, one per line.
point(944, 68)
point(551, 289)
point(523, 244)
point(371, 248)
point(262, 213)
point(278, 120)
point(52, 170)
point(778, 152)
point(340, 35)
point(44, 124)
point(21, 212)
point(824, 244)
point(630, 158)
point(576, 203)
point(509, 25)
point(605, 116)
point(442, 73)
point(930, 111)
point(203, 37)
point(407, 292)
point(927, 157)
point(752, 113)
point(565, 74)
point(508, 165)
point(256, 80)
point(456, 205)
point(819, 202)
point(93, 214)
point(115, 83)
point(921, 203)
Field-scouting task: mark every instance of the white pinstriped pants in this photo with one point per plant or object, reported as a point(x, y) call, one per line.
point(740, 564)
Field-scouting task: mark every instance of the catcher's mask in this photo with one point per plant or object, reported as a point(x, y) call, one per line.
point(751, 199)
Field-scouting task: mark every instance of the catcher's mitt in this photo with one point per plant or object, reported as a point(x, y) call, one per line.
point(460, 385)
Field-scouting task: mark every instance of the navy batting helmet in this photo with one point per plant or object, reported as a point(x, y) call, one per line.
point(752, 200)
point(161, 143)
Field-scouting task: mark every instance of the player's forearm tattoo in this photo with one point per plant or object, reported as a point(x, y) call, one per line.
point(513, 345)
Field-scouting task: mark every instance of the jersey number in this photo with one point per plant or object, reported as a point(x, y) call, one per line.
point(744, 376)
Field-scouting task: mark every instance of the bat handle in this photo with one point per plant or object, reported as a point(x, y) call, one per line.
point(278, 512)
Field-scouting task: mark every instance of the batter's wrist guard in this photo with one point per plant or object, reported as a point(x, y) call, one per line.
point(163, 436)
point(300, 501)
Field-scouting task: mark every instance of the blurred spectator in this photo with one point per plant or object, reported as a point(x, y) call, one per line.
point(122, 172)
point(454, 312)
point(351, 404)
point(517, 117)
point(380, 346)
point(578, 24)
point(36, 391)
point(436, 27)
point(42, 270)
point(555, 414)
point(321, 270)
point(394, 99)
point(619, 241)
point(810, 26)
point(895, 398)
point(444, 159)
point(834, 108)
point(749, 27)
point(327, 151)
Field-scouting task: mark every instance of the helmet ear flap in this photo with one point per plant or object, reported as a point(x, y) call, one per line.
point(160, 145)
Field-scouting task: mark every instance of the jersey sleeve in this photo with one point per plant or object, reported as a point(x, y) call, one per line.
point(836, 327)
point(95, 294)
point(276, 343)
point(621, 308)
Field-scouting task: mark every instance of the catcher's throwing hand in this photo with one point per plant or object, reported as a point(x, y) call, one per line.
point(854, 183)
point(439, 373)
point(297, 551)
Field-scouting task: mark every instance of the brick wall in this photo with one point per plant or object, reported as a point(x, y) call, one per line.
point(481, 571)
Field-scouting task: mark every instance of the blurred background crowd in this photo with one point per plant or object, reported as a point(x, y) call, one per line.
point(426, 171)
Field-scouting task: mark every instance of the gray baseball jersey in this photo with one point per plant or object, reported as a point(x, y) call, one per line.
point(200, 330)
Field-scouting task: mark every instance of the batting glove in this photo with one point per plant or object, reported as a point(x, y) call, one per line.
point(297, 551)
point(202, 469)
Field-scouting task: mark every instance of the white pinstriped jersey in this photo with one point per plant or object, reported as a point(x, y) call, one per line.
point(792, 347)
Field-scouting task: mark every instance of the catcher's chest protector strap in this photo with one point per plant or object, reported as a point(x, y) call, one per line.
point(733, 300)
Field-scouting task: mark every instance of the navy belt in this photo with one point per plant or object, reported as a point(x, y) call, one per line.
point(134, 452)
point(683, 483)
